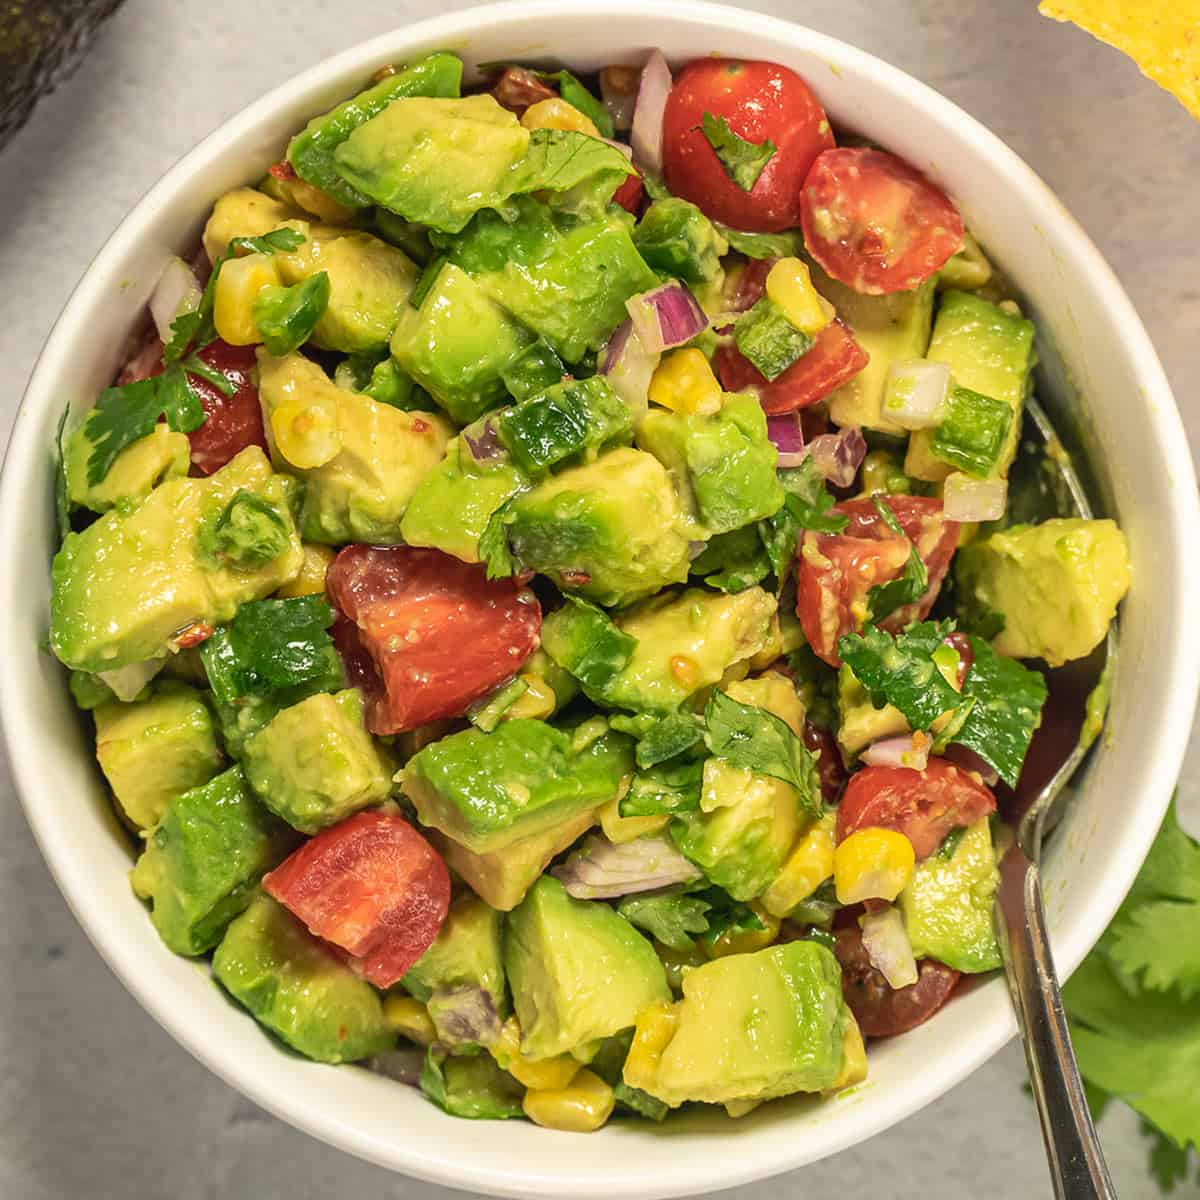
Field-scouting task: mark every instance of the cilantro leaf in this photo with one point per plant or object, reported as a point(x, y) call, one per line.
point(659, 738)
point(759, 741)
point(762, 245)
point(733, 561)
point(1157, 941)
point(494, 549)
point(668, 918)
point(560, 159)
point(728, 916)
point(743, 161)
point(668, 788)
point(884, 598)
point(807, 505)
point(1169, 1163)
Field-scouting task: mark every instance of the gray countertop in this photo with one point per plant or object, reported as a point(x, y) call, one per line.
point(95, 1100)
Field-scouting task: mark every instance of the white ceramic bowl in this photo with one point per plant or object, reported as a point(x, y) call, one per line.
point(1091, 338)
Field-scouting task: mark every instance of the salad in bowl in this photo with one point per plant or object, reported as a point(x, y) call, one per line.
point(547, 589)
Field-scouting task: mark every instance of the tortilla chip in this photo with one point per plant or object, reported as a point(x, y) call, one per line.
point(1161, 36)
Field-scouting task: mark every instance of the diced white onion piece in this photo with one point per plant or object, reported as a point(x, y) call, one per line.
point(967, 499)
point(886, 942)
point(628, 367)
point(646, 134)
point(907, 750)
point(176, 292)
point(126, 682)
point(914, 395)
point(601, 870)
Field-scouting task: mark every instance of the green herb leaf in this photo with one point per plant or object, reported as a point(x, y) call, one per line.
point(884, 598)
point(727, 915)
point(806, 506)
point(733, 561)
point(1169, 1164)
point(559, 159)
point(668, 918)
point(667, 788)
point(759, 741)
point(494, 550)
point(763, 245)
point(743, 161)
point(659, 738)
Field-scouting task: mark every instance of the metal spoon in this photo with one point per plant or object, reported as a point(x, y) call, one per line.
point(1077, 1166)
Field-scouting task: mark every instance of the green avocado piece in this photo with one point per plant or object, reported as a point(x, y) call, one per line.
point(611, 530)
point(292, 984)
point(989, 350)
point(435, 161)
point(676, 238)
point(311, 152)
point(137, 470)
point(487, 790)
point(315, 763)
point(573, 293)
point(362, 492)
point(153, 749)
point(474, 1087)
point(859, 722)
point(754, 1027)
point(130, 582)
point(457, 344)
point(578, 970)
point(947, 906)
point(203, 860)
point(1056, 584)
point(525, 233)
point(890, 329)
point(723, 463)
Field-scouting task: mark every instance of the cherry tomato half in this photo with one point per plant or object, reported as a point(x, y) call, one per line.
point(923, 805)
point(440, 633)
point(373, 887)
point(759, 100)
point(876, 223)
point(833, 358)
point(234, 422)
point(836, 571)
point(880, 1009)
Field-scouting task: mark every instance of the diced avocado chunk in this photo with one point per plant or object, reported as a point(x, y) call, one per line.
point(747, 823)
point(753, 1027)
point(361, 493)
point(502, 877)
point(947, 906)
point(435, 161)
point(453, 504)
point(1056, 584)
point(534, 370)
point(988, 350)
point(967, 269)
point(203, 861)
point(889, 328)
point(676, 238)
point(457, 344)
point(859, 722)
point(682, 642)
point(295, 986)
point(524, 232)
point(723, 463)
point(137, 470)
point(568, 421)
point(475, 1087)
point(578, 970)
point(311, 152)
point(487, 790)
point(153, 749)
point(574, 292)
point(611, 530)
point(315, 763)
point(155, 554)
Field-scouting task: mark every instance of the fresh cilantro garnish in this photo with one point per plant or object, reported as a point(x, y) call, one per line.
point(659, 738)
point(743, 161)
point(758, 741)
point(558, 159)
point(727, 916)
point(807, 505)
point(733, 561)
point(667, 788)
point(668, 918)
point(884, 598)
point(762, 245)
point(494, 550)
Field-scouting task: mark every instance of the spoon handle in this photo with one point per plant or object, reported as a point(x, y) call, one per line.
point(1077, 1166)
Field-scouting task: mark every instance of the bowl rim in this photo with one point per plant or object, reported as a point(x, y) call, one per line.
point(22, 476)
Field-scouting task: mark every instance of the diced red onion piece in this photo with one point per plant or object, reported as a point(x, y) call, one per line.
point(887, 945)
point(788, 436)
point(666, 316)
point(839, 455)
point(483, 441)
point(646, 133)
point(907, 750)
point(628, 367)
point(914, 394)
point(176, 292)
point(463, 1014)
point(967, 499)
point(404, 1066)
point(619, 91)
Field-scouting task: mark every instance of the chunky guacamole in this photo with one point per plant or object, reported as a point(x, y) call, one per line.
point(547, 590)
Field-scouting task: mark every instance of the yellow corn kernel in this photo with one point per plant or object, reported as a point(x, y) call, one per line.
point(790, 288)
point(677, 963)
point(744, 941)
point(306, 431)
point(535, 703)
point(547, 1074)
point(238, 285)
point(619, 829)
point(311, 580)
point(652, 1034)
point(558, 114)
point(872, 864)
point(807, 867)
point(407, 1016)
point(740, 1108)
point(854, 1058)
point(580, 1108)
point(684, 382)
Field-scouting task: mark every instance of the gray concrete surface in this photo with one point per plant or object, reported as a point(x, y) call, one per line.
point(95, 1100)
